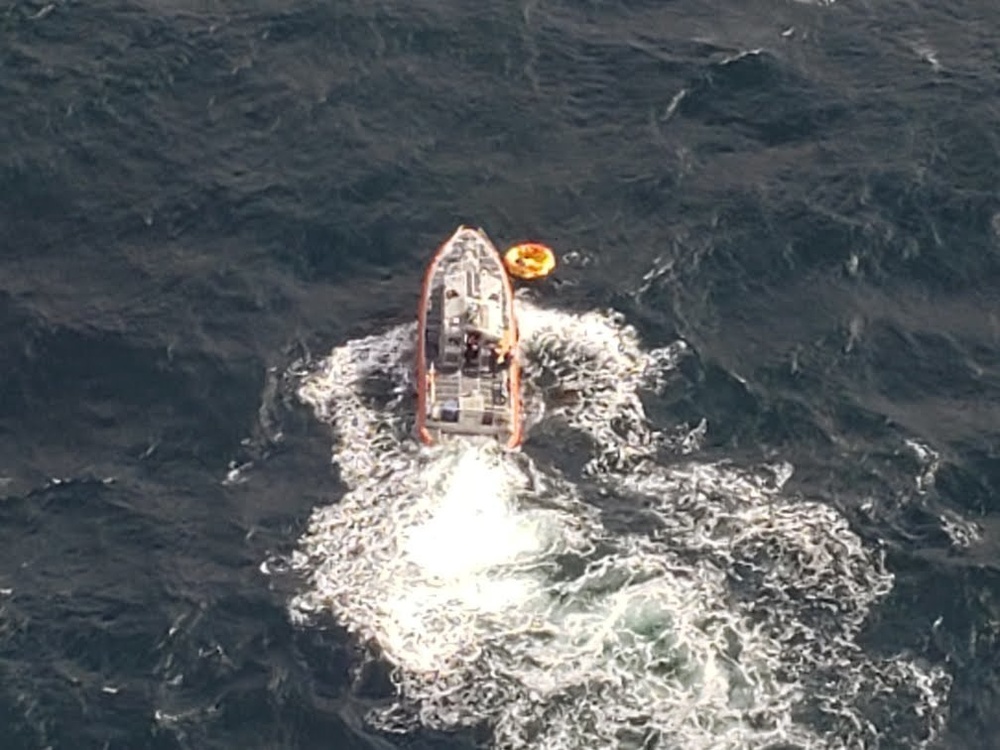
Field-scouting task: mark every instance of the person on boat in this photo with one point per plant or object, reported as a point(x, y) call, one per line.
point(500, 354)
point(472, 347)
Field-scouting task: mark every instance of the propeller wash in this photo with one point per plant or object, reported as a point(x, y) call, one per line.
point(499, 596)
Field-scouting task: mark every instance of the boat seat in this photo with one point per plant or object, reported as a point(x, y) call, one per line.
point(450, 411)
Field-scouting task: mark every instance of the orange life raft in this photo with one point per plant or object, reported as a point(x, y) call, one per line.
point(530, 260)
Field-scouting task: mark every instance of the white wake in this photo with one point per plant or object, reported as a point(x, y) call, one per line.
point(490, 581)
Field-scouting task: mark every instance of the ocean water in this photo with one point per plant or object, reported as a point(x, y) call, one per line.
point(758, 502)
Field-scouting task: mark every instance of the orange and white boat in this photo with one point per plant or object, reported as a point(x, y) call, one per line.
point(468, 373)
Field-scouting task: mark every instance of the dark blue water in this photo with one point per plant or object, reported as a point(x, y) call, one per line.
point(193, 195)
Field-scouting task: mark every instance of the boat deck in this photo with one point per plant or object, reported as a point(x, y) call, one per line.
point(467, 324)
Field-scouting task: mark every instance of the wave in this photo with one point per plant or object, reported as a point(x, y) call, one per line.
point(725, 614)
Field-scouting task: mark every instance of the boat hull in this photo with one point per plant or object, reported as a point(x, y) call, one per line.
point(468, 372)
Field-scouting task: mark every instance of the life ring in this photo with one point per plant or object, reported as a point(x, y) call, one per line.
point(530, 260)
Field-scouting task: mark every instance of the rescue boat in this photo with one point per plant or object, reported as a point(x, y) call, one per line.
point(468, 374)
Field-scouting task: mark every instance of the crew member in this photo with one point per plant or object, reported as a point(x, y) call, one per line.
point(501, 351)
point(472, 347)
